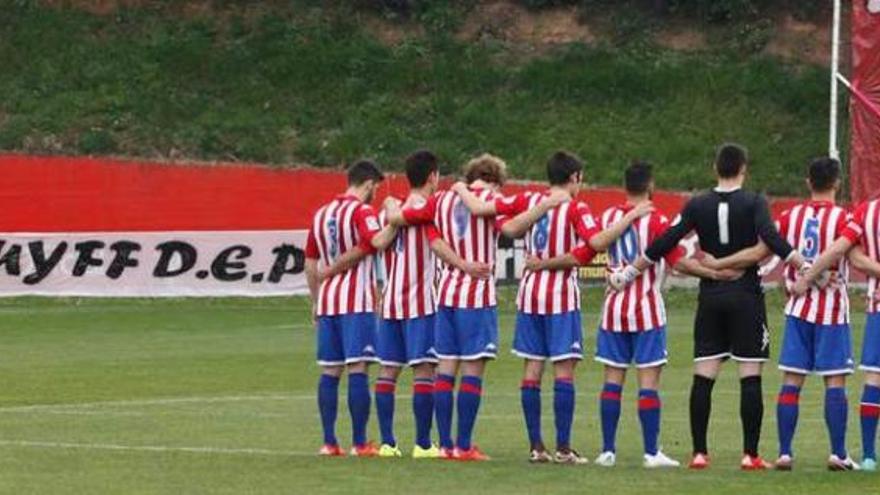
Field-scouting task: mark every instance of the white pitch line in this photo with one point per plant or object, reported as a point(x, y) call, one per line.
point(152, 448)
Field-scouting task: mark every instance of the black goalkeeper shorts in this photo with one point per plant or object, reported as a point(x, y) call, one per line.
point(731, 324)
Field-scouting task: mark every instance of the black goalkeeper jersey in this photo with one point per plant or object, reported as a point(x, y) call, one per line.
point(726, 222)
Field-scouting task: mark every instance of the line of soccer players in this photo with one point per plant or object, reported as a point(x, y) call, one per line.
point(443, 324)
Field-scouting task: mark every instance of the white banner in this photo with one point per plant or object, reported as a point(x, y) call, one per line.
point(122, 264)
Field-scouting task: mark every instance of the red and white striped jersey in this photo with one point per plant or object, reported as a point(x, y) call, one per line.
point(640, 306)
point(811, 228)
point(409, 282)
point(474, 239)
point(340, 225)
point(546, 292)
point(865, 228)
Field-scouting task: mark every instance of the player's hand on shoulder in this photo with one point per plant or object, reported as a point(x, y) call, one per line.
point(556, 198)
point(641, 210)
point(458, 187)
point(391, 203)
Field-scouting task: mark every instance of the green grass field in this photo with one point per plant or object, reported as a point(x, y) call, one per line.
point(217, 396)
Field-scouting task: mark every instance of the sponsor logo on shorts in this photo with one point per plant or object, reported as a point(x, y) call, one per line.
point(765, 338)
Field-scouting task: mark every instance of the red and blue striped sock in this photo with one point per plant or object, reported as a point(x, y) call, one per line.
point(469, 393)
point(423, 410)
point(328, 403)
point(870, 413)
point(563, 410)
point(787, 410)
point(609, 413)
point(443, 405)
point(835, 419)
point(649, 416)
point(530, 396)
point(359, 406)
point(385, 388)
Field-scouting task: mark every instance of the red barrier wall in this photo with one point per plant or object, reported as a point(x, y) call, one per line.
point(865, 105)
point(76, 194)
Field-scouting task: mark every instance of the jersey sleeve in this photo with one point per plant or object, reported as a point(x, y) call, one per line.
point(431, 232)
point(511, 205)
point(658, 225)
point(767, 230)
point(312, 246)
point(670, 238)
point(781, 222)
point(585, 224)
point(421, 214)
point(855, 226)
point(367, 224)
point(584, 254)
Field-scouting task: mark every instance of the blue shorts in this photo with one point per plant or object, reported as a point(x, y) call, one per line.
point(555, 337)
point(619, 349)
point(466, 334)
point(813, 348)
point(346, 339)
point(407, 341)
point(871, 344)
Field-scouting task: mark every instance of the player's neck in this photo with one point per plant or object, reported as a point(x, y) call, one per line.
point(825, 197)
point(730, 183)
point(360, 193)
point(424, 191)
point(637, 200)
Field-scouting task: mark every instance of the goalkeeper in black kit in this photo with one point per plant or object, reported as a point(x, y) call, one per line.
point(731, 320)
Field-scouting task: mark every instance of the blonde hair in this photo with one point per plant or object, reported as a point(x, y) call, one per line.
point(486, 167)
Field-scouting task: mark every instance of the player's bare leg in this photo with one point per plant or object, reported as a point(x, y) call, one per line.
point(705, 372)
point(836, 408)
point(386, 387)
point(423, 410)
point(467, 405)
point(359, 408)
point(649, 417)
point(609, 413)
point(328, 405)
point(563, 411)
point(869, 410)
point(444, 400)
point(530, 398)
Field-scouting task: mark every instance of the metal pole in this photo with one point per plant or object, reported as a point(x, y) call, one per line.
point(833, 150)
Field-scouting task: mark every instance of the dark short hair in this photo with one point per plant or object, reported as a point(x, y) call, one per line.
point(730, 160)
point(638, 177)
point(824, 172)
point(561, 166)
point(419, 166)
point(363, 170)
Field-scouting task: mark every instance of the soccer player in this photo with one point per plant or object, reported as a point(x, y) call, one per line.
point(731, 317)
point(817, 335)
point(406, 330)
point(861, 239)
point(343, 303)
point(466, 332)
point(548, 322)
point(633, 323)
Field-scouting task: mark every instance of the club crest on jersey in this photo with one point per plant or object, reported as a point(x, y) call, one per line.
point(461, 218)
point(540, 236)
